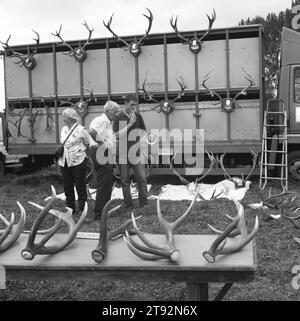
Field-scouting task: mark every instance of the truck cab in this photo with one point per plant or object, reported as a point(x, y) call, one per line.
point(289, 93)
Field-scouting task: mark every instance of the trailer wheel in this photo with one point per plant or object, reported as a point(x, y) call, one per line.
point(294, 165)
point(1, 168)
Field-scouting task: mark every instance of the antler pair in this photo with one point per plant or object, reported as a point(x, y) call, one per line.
point(199, 179)
point(134, 46)
point(99, 253)
point(79, 53)
point(11, 233)
point(194, 43)
point(165, 106)
point(26, 60)
point(151, 251)
point(239, 182)
point(237, 228)
point(229, 104)
point(32, 249)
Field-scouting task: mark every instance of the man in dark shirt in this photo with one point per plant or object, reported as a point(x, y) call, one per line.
point(126, 142)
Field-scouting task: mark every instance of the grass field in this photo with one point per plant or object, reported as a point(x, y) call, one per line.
point(277, 252)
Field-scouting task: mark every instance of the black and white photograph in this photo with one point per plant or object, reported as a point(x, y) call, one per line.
point(149, 154)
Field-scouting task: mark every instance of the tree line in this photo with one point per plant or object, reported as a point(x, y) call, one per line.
point(273, 24)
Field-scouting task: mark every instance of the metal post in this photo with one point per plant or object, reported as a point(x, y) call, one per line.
point(55, 93)
point(228, 84)
point(166, 76)
point(108, 69)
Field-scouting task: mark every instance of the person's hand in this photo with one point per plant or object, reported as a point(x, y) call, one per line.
point(132, 119)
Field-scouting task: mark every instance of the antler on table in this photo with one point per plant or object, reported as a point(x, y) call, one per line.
point(31, 249)
point(236, 227)
point(7, 239)
point(99, 253)
point(151, 251)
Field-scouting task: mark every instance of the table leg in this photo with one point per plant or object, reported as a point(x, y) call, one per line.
point(197, 291)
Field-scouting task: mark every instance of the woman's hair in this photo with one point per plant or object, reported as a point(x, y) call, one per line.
point(71, 113)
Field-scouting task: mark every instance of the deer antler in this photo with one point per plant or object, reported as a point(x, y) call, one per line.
point(31, 249)
point(237, 181)
point(243, 91)
point(13, 53)
point(174, 26)
point(99, 253)
point(211, 20)
point(107, 25)
point(152, 251)
point(7, 241)
point(237, 226)
point(211, 92)
point(63, 43)
point(150, 19)
point(90, 34)
point(37, 42)
point(149, 95)
point(182, 88)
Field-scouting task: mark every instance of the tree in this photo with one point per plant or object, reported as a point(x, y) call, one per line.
point(273, 25)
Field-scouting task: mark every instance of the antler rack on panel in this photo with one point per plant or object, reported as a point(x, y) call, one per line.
point(26, 60)
point(228, 104)
point(194, 43)
point(79, 53)
point(166, 106)
point(135, 46)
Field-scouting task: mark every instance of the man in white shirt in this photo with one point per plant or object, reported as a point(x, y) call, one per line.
point(103, 147)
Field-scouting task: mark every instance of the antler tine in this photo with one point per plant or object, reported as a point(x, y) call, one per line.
point(146, 93)
point(90, 34)
point(211, 92)
point(174, 26)
point(57, 34)
point(254, 160)
point(151, 251)
point(212, 163)
point(8, 228)
point(244, 90)
point(107, 25)
point(182, 88)
point(170, 227)
point(18, 228)
point(12, 52)
point(211, 20)
point(239, 222)
point(32, 249)
point(183, 180)
point(227, 176)
point(150, 19)
point(37, 42)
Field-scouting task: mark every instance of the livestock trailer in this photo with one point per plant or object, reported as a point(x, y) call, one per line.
point(214, 99)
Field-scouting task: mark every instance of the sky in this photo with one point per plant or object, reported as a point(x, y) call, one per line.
point(19, 17)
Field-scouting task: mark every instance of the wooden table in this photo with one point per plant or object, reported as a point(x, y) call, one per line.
point(76, 262)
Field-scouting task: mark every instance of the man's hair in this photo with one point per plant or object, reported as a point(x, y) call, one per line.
point(109, 105)
point(130, 97)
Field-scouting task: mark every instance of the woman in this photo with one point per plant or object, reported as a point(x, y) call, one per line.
point(73, 163)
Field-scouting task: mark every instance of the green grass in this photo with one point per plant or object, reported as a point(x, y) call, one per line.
point(277, 252)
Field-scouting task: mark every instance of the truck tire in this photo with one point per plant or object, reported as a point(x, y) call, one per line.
point(294, 165)
point(1, 168)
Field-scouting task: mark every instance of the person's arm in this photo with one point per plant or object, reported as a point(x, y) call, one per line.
point(119, 134)
point(85, 137)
